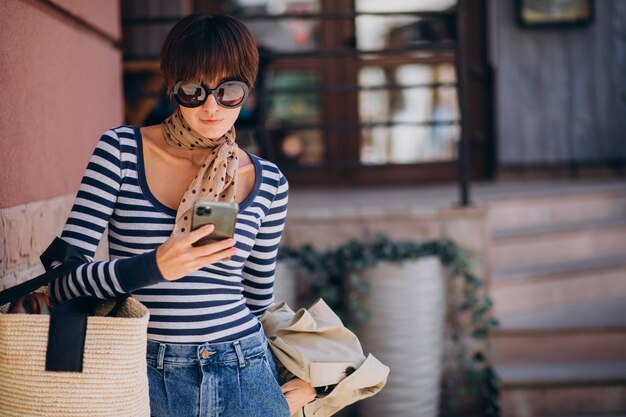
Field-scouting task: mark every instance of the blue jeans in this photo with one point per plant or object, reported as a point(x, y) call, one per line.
point(230, 379)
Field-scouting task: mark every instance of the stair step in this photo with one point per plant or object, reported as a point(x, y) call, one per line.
point(601, 313)
point(580, 204)
point(587, 415)
point(558, 280)
point(530, 288)
point(529, 390)
point(559, 244)
point(598, 400)
point(562, 374)
point(559, 227)
point(557, 345)
point(559, 268)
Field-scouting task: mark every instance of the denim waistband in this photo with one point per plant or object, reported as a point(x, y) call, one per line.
point(236, 350)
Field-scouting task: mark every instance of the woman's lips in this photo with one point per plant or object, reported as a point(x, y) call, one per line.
point(210, 121)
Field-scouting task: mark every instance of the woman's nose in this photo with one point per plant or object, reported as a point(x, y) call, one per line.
point(210, 105)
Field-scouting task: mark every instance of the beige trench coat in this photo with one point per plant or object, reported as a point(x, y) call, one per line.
point(315, 346)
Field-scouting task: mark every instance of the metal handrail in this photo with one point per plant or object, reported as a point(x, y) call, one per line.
point(343, 52)
point(356, 88)
point(336, 88)
point(359, 125)
point(463, 154)
point(146, 20)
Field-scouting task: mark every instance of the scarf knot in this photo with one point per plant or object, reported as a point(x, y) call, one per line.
point(216, 178)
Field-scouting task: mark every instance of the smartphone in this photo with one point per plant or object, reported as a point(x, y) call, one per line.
point(219, 213)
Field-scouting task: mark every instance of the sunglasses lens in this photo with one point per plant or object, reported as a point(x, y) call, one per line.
point(230, 94)
point(190, 94)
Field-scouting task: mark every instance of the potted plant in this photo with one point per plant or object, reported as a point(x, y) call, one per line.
point(410, 303)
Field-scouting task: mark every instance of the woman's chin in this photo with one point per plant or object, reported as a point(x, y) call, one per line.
point(211, 132)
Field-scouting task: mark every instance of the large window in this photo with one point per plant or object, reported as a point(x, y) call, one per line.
point(352, 86)
point(351, 90)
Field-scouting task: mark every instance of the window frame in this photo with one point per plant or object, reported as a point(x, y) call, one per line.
point(338, 63)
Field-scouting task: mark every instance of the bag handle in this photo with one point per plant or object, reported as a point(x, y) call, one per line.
point(68, 330)
point(68, 320)
point(58, 250)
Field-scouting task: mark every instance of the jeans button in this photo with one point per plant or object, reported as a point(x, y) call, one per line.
point(205, 354)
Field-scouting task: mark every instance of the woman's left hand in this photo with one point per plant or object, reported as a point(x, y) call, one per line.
point(298, 393)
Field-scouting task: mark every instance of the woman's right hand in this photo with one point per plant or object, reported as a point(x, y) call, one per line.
point(176, 257)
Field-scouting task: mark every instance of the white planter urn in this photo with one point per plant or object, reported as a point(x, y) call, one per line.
point(285, 283)
point(406, 332)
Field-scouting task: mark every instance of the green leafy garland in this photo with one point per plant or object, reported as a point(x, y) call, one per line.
point(468, 375)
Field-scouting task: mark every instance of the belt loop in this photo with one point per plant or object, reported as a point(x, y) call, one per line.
point(161, 355)
point(240, 358)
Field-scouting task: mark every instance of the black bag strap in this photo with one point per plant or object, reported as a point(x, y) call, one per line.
point(68, 330)
point(58, 250)
point(67, 333)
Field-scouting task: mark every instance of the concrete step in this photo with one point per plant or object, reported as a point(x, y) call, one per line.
point(581, 332)
point(587, 415)
point(532, 389)
point(557, 243)
point(609, 312)
point(558, 280)
point(532, 287)
point(561, 374)
point(558, 227)
point(605, 201)
point(591, 344)
point(555, 269)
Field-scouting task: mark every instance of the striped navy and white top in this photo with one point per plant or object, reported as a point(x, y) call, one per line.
point(217, 303)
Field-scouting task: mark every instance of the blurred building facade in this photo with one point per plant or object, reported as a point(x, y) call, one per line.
point(559, 90)
point(367, 102)
point(362, 104)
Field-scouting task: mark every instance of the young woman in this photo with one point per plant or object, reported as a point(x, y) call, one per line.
point(207, 354)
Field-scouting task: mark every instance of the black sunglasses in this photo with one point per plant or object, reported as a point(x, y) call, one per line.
point(229, 94)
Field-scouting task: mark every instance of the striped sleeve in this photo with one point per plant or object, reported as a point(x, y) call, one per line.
point(85, 225)
point(260, 267)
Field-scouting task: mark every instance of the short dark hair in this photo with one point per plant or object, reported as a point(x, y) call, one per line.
point(203, 46)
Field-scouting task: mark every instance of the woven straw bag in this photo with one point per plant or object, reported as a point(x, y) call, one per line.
point(111, 376)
